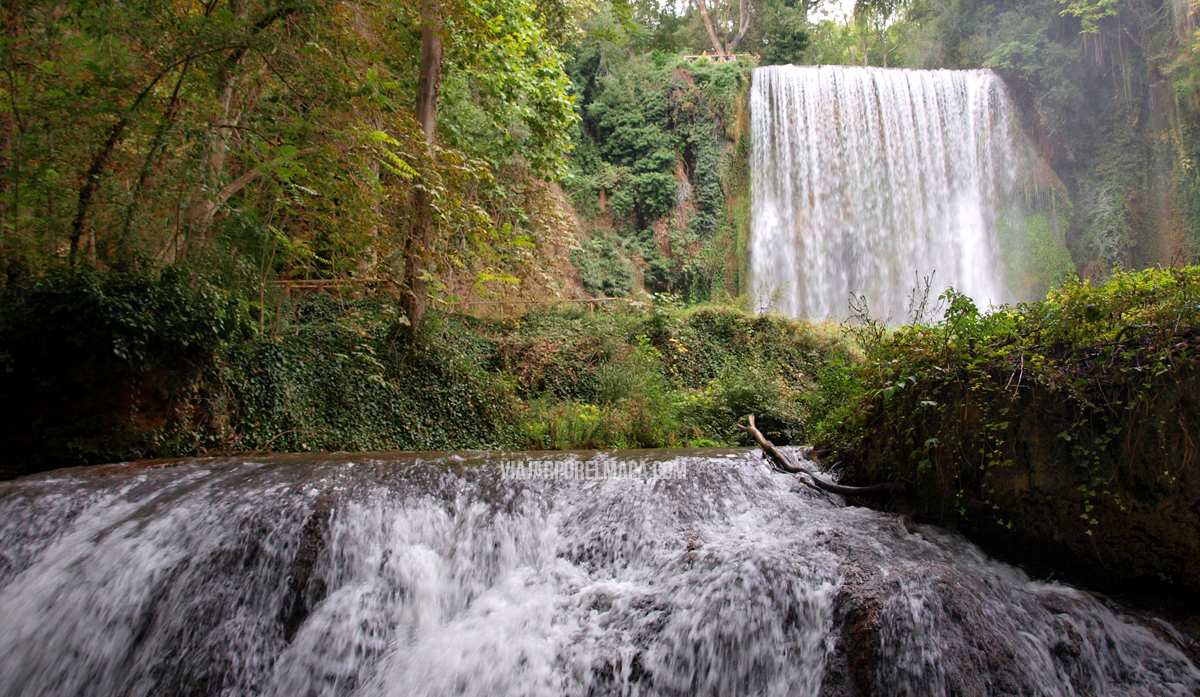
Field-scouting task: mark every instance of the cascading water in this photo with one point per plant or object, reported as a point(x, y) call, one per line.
point(403, 575)
point(868, 180)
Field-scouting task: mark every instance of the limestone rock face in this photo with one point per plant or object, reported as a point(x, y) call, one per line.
point(1121, 517)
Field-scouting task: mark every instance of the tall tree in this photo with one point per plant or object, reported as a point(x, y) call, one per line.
point(726, 48)
point(718, 47)
point(13, 28)
point(415, 289)
point(295, 137)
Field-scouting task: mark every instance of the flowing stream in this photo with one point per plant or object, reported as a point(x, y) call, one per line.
point(869, 180)
point(637, 573)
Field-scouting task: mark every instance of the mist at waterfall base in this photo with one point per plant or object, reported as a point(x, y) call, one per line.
point(867, 181)
point(447, 575)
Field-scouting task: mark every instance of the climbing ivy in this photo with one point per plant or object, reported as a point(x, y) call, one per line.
point(948, 407)
point(99, 367)
point(656, 165)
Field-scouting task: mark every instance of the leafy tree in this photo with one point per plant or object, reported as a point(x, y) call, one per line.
point(277, 137)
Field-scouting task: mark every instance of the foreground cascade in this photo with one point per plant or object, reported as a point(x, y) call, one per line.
point(867, 180)
point(687, 573)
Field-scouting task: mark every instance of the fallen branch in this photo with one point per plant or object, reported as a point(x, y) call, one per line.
point(784, 464)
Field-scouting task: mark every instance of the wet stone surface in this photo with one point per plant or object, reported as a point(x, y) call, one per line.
point(674, 573)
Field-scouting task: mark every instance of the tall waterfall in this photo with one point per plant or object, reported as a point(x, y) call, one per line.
point(614, 574)
point(868, 180)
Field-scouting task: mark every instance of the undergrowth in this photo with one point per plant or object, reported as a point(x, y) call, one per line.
point(949, 406)
point(99, 370)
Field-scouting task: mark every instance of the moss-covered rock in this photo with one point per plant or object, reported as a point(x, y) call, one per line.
point(1063, 434)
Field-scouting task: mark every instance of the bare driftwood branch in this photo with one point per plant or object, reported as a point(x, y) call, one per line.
point(785, 464)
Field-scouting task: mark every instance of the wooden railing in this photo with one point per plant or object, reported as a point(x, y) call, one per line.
point(356, 287)
point(714, 58)
point(592, 303)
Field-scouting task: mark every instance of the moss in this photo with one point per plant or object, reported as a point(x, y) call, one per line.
point(1060, 432)
point(332, 374)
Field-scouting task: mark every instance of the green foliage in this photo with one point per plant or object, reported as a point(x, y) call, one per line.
point(98, 367)
point(1036, 259)
point(938, 406)
point(786, 35)
point(261, 139)
point(1087, 76)
point(1090, 13)
point(347, 376)
point(656, 146)
point(603, 271)
point(510, 100)
point(104, 367)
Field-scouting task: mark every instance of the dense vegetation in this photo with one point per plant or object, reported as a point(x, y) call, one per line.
point(660, 174)
point(269, 139)
point(938, 400)
point(1074, 418)
point(114, 367)
point(1109, 94)
point(450, 169)
point(164, 166)
point(265, 139)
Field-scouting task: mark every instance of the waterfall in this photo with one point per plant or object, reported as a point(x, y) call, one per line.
point(669, 573)
point(868, 180)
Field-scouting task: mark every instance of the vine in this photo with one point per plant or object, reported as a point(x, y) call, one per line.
point(955, 404)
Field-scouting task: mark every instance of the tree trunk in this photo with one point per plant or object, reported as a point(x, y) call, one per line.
point(168, 120)
point(13, 25)
point(429, 80)
point(418, 248)
point(743, 24)
point(222, 123)
point(217, 134)
point(90, 181)
point(709, 26)
point(100, 160)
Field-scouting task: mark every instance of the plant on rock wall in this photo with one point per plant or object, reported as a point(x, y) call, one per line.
point(350, 376)
point(1093, 81)
point(603, 270)
point(653, 161)
point(102, 367)
point(938, 405)
point(1090, 13)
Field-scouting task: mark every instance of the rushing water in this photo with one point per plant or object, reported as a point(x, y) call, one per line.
point(451, 575)
point(868, 180)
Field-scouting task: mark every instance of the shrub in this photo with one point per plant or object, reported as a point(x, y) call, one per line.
point(933, 405)
point(102, 366)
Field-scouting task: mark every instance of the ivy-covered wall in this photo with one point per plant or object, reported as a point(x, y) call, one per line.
point(1061, 433)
